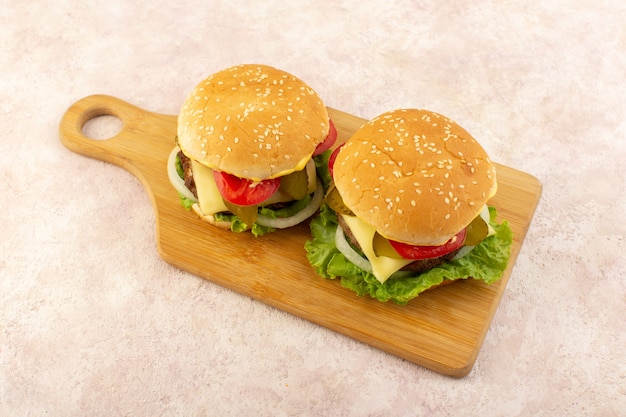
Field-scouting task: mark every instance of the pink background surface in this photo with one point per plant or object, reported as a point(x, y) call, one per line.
point(93, 322)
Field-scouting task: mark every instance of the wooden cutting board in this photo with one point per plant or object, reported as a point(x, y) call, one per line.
point(442, 329)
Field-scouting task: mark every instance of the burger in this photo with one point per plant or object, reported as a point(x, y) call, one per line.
point(246, 142)
point(407, 209)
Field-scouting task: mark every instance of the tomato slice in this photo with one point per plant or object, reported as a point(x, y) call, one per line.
point(242, 191)
point(425, 252)
point(333, 157)
point(329, 141)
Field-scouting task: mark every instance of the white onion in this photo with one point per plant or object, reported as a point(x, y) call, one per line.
point(463, 251)
point(299, 217)
point(177, 182)
point(353, 256)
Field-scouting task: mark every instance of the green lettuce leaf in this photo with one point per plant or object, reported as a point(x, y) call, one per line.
point(179, 168)
point(185, 202)
point(321, 166)
point(486, 262)
point(237, 226)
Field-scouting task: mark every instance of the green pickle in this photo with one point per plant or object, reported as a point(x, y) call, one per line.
point(296, 184)
point(335, 202)
point(247, 214)
point(476, 232)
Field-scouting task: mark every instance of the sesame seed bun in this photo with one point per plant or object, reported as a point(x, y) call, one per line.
point(252, 121)
point(415, 175)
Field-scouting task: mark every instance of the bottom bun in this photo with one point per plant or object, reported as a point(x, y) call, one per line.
point(209, 218)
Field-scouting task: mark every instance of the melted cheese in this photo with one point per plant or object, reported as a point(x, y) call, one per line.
point(210, 199)
point(382, 266)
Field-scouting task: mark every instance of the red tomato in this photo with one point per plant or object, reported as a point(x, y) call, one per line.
point(424, 252)
point(329, 141)
point(333, 157)
point(244, 192)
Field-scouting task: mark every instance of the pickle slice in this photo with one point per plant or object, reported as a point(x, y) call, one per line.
point(382, 247)
point(247, 214)
point(296, 184)
point(476, 232)
point(335, 202)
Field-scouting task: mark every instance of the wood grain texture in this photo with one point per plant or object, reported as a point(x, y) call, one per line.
point(442, 329)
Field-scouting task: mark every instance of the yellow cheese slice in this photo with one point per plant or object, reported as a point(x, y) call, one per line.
point(209, 197)
point(382, 266)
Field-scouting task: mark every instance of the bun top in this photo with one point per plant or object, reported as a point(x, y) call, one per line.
point(252, 121)
point(415, 176)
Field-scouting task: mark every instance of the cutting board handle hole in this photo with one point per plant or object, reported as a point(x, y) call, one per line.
point(102, 127)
